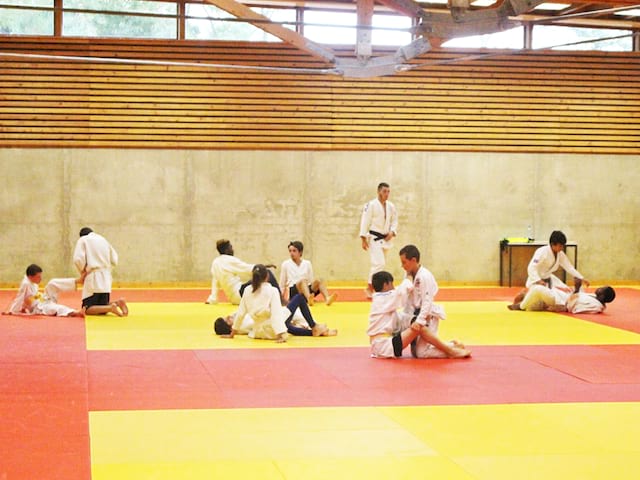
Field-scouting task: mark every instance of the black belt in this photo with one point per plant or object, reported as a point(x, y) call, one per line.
point(379, 236)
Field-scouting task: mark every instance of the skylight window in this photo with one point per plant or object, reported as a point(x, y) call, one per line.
point(552, 6)
point(483, 3)
point(634, 12)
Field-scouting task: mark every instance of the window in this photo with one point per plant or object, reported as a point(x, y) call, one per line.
point(206, 22)
point(330, 27)
point(512, 38)
point(33, 17)
point(546, 36)
point(119, 18)
point(391, 30)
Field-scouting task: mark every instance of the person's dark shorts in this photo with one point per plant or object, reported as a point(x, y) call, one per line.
point(396, 341)
point(294, 291)
point(96, 299)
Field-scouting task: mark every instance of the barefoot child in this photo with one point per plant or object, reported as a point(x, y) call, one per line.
point(391, 331)
point(30, 301)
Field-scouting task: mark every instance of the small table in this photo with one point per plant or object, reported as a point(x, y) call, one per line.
point(515, 258)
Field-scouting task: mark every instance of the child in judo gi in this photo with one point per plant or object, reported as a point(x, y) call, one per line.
point(391, 331)
point(31, 301)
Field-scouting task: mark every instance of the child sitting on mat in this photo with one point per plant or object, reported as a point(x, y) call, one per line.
point(296, 276)
point(261, 302)
point(391, 331)
point(30, 301)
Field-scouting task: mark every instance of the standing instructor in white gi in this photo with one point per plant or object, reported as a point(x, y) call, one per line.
point(378, 226)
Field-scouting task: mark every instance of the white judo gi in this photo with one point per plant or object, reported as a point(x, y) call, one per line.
point(544, 262)
point(228, 273)
point(429, 314)
point(540, 298)
point(266, 310)
point(385, 319)
point(584, 303)
point(95, 255)
point(382, 219)
point(292, 273)
point(43, 304)
point(245, 325)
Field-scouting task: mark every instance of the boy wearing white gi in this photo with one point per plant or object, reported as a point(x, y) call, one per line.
point(540, 298)
point(230, 274)
point(547, 260)
point(391, 331)
point(296, 276)
point(30, 301)
point(420, 303)
point(94, 257)
point(378, 226)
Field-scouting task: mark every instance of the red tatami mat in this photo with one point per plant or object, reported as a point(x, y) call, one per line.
point(43, 399)
point(345, 377)
point(606, 364)
point(623, 312)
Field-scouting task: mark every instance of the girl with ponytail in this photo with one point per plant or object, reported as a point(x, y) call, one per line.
point(261, 301)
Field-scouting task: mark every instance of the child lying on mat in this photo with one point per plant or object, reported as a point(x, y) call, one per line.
point(539, 298)
point(268, 319)
point(30, 301)
point(391, 331)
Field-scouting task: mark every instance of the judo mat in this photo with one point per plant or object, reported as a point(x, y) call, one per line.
point(157, 395)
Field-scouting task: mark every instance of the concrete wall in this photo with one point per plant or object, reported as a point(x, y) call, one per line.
point(164, 209)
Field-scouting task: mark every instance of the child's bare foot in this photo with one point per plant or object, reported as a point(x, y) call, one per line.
point(282, 338)
point(457, 344)
point(311, 301)
point(77, 313)
point(460, 353)
point(331, 332)
point(331, 299)
point(123, 306)
point(514, 306)
point(319, 330)
point(116, 310)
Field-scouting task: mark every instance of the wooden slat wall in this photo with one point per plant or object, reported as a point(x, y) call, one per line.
point(587, 102)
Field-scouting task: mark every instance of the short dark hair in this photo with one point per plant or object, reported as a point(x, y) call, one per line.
point(557, 237)
point(297, 244)
point(85, 231)
point(606, 294)
point(33, 269)
point(222, 245)
point(410, 251)
point(379, 279)
point(221, 327)
point(382, 185)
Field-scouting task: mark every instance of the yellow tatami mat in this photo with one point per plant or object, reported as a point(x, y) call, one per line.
point(190, 326)
point(484, 442)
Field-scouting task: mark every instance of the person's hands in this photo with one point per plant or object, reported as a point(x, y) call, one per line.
point(365, 244)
